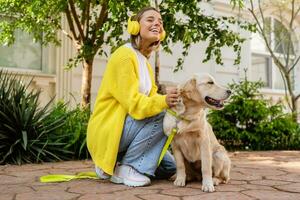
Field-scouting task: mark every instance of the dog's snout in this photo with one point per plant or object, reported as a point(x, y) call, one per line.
point(228, 92)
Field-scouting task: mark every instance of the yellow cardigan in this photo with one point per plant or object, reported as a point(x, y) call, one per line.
point(118, 96)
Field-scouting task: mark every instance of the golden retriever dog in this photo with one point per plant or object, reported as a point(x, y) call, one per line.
point(197, 152)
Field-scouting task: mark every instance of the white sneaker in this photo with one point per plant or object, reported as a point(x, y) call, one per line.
point(129, 176)
point(101, 174)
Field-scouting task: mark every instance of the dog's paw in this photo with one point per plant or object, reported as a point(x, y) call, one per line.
point(180, 181)
point(216, 181)
point(207, 185)
point(225, 180)
point(173, 178)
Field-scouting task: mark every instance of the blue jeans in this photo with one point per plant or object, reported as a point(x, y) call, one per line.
point(141, 144)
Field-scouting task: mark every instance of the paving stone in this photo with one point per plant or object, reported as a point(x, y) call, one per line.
point(98, 188)
point(219, 195)
point(269, 182)
point(236, 182)
point(45, 195)
point(180, 191)
point(12, 189)
point(271, 195)
point(235, 175)
point(194, 184)
point(228, 188)
point(108, 197)
point(28, 174)
point(254, 175)
point(26, 167)
point(72, 164)
point(8, 179)
point(259, 171)
point(7, 196)
point(137, 191)
point(293, 187)
point(158, 196)
point(287, 177)
point(257, 187)
point(49, 188)
point(161, 184)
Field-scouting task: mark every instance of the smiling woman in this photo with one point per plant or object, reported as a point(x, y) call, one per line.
point(150, 33)
point(125, 133)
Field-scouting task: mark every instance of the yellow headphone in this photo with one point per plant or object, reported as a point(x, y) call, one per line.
point(133, 28)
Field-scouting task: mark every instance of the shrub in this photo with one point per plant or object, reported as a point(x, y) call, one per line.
point(250, 122)
point(26, 135)
point(74, 129)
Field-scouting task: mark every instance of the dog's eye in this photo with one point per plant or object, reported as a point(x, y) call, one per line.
point(210, 82)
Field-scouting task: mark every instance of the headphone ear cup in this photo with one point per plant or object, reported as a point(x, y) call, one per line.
point(163, 35)
point(133, 27)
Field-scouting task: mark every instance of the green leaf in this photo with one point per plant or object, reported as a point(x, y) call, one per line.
point(24, 139)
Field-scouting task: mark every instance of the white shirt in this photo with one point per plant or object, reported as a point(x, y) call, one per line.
point(144, 76)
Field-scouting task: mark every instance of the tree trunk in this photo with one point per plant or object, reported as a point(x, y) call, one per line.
point(86, 83)
point(157, 69)
point(295, 108)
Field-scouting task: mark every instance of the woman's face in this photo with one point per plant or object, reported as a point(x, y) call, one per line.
point(151, 26)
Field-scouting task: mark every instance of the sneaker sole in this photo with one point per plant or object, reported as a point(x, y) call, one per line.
point(116, 180)
point(127, 182)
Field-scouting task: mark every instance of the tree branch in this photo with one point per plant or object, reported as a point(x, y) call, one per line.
point(261, 29)
point(292, 14)
point(71, 25)
point(85, 19)
point(76, 42)
point(100, 20)
point(297, 97)
point(276, 60)
point(67, 34)
point(294, 65)
point(76, 19)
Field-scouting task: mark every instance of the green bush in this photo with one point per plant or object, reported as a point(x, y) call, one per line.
point(250, 122)
point(26, 134)
point(74, 129)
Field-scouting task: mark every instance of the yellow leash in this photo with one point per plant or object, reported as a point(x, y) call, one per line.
point(167, 144)
point(171, 136)
point(64, 178)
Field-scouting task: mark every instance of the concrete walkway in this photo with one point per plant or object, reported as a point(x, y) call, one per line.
point(255, 175)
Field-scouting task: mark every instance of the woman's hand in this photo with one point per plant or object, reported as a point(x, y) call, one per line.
point(172, 97)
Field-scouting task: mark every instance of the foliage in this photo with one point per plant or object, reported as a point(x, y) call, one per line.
point(250, 122)
point(94, 23)
point(281, 46)
point(74, 129)
point(103, 22)
point(25, 133)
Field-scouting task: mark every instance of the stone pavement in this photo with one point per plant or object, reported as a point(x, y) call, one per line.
point(255, 175)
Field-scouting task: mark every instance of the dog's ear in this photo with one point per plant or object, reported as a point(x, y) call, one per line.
point(180, 91)
point(193, 81)
point(190, 90)
point(187, 90)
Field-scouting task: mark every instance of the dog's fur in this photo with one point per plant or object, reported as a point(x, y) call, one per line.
point(197, 152)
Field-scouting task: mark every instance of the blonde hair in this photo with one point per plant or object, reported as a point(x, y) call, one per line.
point(136, 39)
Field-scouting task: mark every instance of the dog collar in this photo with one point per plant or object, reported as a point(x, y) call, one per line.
point(178, 117)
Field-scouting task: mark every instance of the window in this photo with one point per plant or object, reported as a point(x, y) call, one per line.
point(24, 53)
point(263, 67)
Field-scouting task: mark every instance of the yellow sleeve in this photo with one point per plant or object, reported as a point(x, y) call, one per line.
point(124, 88)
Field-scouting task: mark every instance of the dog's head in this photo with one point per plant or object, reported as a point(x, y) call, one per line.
point(204, 90)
